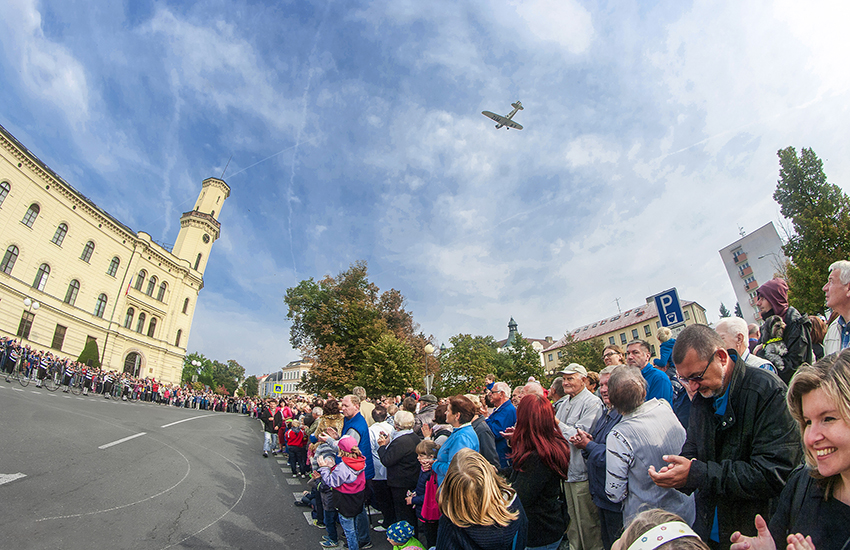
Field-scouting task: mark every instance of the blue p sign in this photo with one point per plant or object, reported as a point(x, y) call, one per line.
point(669, 308)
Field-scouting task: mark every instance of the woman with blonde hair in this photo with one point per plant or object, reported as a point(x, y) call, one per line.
point(480, 510)
point(658, 529)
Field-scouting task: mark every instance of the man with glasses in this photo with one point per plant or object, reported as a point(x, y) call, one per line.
point(502, 418)
point(658, 385)
point(742, 443)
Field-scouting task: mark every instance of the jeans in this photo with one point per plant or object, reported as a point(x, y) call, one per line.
point(268, 442)
point(361, 523)
point(330, 523)
point(553, 546)
point(350, 531)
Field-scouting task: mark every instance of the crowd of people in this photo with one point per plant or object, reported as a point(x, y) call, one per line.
point(719, 442)
point(38, 364)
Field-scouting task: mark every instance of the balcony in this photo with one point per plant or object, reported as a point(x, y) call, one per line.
point(742, 257)
point(746, 271)
point(752, 286)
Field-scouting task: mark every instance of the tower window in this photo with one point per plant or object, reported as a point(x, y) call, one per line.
point(87, 252)
point(71, 293)
point(140, 279)
point(140, 325)
point(128, 320)
point(31, 215)
point(152, 327)
point(161, 294)
point(113, 266)
point(41, 277)
point(197, 262)
point(59, 236)
point(11, 256)
point(100, 307)
point(151, 286)
point(185, 305)
point(4, 191)
point(179, 335)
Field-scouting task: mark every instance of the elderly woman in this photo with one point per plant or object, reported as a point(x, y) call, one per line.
point(815, 503)
point(459, 414)
point(402, 463)
point(648, 431)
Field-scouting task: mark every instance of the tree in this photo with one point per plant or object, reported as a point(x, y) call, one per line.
point(525, 362)
point(724, 311)
point(587, 353)
point(738, 312)
point(464, 365)
point(90, 356)
point(820, 216)
point(251, 386)
point(390, 367)
point(338, 321)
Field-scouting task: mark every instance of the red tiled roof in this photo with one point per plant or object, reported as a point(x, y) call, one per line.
point(630, 317)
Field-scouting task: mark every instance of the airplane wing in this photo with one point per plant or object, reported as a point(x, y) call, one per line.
point(505, 121)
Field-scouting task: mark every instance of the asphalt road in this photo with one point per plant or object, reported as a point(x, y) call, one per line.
point(99, 473)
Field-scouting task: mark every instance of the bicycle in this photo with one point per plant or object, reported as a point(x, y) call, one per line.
point(116, 391)
point(76, 384)
point(20, 372)
point(53, 378)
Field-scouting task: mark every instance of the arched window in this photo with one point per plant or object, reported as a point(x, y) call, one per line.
point(41, 276)
point(100, 307)
point(151, 285)
point(128, 320)
point(71, 293)
point(59, 236)
point(179, 335)
point(31, 215)
point(185, 304)
point(161, 294)
point(113, 266)
point(152, 327)
point(197, 262)
point(11, 256)
point(132, 364)
point(140, 279)
point(140, 325)
point(87, 252)
point(213, 214)
point(4, 191)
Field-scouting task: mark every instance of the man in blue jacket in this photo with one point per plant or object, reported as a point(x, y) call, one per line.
point(502, 418)
point(355, 426)
point(658, 385)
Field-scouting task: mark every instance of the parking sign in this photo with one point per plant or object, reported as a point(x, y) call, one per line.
point(669, 308)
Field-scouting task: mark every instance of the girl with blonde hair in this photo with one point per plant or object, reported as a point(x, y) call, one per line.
point(480, 510)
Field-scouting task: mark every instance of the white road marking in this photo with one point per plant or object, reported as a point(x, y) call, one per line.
point(293, 481)
point(185, 420)
point(17, 389)
point(33, 391)
point(309, 517)
point(6, 478)
point(121, 440)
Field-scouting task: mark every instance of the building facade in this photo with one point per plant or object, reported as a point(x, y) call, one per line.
point(633, 324)
point(284, 383)
point(93, 277)
point(752, 261)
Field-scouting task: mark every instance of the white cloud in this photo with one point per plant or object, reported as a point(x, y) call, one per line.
point(589, 150)
point(565, 22)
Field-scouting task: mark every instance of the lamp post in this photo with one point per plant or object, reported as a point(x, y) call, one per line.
point(195, 363)
point(31, 306)
point(429, 378)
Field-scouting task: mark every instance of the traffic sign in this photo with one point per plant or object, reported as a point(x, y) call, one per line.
point(669, 308)
point(278, 388)
point(429, 380)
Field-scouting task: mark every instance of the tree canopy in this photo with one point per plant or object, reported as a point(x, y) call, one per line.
point(465, 363)
point(820, 216)
point(354, 334)
point(213, 373)
point(525, 362)
point(587, 353)
point(724, 311)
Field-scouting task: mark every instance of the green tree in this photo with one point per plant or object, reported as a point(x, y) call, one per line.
point(724, 311)
point(738, 312)
point(525, 362)
point(390, 367)
point(820, 216)
point(464, 365)
point(90, 354)
point(587, 353)
point(251, 386)
point(337, 321)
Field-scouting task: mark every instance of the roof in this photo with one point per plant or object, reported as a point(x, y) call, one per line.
point(630, 317)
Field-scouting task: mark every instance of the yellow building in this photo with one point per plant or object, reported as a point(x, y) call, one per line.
point(93, 277)
point(633, 324)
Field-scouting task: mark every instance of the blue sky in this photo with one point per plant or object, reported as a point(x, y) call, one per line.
point(651, 132)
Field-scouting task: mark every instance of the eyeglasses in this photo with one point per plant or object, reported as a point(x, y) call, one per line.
point(609, 354)
point(697, 377)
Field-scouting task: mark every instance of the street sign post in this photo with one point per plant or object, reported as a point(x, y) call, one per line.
point(669, 308)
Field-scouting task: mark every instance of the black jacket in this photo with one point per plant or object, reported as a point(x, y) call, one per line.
point(486, 441)
point(797, 338)
point(742, 458)
point(538, 488)
point(399, 456)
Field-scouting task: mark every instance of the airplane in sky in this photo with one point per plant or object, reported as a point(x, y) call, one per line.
point(506, 120)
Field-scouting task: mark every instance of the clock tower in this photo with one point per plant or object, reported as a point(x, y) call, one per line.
point(199, 228)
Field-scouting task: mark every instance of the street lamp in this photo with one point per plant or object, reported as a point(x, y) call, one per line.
point(195, 363)
point(31, 306)
point(429, 378)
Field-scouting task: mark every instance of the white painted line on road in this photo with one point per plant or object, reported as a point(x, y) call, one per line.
point(6, 478)
point(17, 389)
point(67, 396)
point(121, 440)
point(81, 399)
point(186, 420)
point(298, 495)
point(33, 391)
point(294, 481)
point(309, 517)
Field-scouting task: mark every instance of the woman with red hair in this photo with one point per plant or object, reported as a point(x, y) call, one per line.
point(540, 459)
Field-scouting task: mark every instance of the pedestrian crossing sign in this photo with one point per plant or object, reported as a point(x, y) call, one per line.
point(278, 388)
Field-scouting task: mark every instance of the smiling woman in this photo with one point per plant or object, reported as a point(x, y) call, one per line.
point(816, 498)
